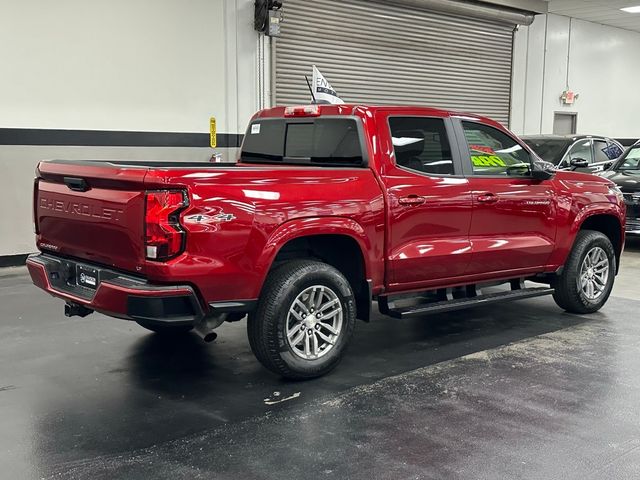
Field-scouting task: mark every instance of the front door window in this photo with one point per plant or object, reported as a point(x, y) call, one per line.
point(492, 152)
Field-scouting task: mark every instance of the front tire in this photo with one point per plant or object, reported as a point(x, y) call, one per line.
point(304, 320)
point(587, 278)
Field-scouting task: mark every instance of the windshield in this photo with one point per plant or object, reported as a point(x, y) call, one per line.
point(549, 149)
point(309, 141)
point(631, 160)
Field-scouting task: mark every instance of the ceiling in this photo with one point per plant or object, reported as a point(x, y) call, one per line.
point(606, 12)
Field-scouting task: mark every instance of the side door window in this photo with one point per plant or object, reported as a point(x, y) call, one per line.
point(581, 149)
point(421, 144)
point(493, 152)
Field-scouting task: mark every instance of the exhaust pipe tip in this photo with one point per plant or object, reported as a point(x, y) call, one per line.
point(206, 334)
point(209, 337)
point(204, 328)
point(76, 310)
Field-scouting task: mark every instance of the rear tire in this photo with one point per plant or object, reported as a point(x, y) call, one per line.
point(587, 278)
point(165, 329)
point(304, 320)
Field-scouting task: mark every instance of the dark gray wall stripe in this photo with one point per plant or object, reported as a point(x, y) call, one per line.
point(109, 138)
point(12, 260)
point(627, 142)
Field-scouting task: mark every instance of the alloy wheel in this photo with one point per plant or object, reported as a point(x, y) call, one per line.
point(314, 322)
point(594, 273)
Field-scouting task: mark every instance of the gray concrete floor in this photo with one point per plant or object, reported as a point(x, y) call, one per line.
point(519, 391)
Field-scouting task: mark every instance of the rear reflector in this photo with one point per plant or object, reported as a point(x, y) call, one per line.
point(302, 111)
point(34, 209)
point(164, 237)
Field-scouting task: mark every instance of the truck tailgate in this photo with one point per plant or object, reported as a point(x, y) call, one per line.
point(93, 211)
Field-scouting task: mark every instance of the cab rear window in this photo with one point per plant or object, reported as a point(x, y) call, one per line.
point(318, 141)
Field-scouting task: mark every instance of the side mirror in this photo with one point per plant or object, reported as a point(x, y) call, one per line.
point(608, 165)
point(542, 170)
point(578, 163)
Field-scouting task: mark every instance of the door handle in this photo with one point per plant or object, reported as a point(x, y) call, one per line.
point(412, 200)
point(487, 197)
point(76, 184)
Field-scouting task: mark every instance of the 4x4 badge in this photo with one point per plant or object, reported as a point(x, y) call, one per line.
point(224, 217)
point(200, 218)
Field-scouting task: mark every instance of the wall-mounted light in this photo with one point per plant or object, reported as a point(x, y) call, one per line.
point(635, 9)
point(268, 16)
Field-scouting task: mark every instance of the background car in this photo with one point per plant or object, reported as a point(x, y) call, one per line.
point(626, 174)
point(584, 153)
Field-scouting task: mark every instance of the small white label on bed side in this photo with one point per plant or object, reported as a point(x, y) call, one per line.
point(255, 128)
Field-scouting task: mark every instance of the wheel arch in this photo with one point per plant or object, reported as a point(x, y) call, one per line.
point(607, 223)
point(339, 242)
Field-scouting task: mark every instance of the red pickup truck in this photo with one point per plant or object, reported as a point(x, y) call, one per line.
point(328, 209)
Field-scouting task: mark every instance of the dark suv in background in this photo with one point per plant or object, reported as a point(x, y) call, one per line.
point(584, 153)
point(626, 174)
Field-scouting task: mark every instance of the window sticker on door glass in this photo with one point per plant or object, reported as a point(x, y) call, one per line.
point(487, 161)
point(482, 149)
point(612, 151)
point(255, 128)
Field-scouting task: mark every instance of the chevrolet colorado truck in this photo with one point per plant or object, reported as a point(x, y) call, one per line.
point(329, 208)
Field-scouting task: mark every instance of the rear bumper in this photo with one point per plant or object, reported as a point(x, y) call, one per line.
point(117, 294)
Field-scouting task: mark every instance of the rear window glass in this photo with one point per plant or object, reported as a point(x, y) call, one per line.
point(421, 144)
point(320, 141)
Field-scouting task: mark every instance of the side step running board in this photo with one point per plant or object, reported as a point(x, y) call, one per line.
point(388, 308)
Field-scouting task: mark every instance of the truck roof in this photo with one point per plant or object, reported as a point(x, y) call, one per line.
point(360, 109)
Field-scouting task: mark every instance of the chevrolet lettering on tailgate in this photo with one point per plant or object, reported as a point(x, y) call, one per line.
point(81, 209)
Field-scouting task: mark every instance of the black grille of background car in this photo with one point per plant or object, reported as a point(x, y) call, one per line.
point(632, 201)
point(633, 225)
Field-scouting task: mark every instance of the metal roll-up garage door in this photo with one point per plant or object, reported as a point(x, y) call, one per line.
point(380, 53)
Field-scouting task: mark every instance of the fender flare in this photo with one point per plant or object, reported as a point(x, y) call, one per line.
point(562, 250)
point(306, 227)
point(599, 208)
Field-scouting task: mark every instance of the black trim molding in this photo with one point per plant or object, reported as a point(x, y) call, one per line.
point(13, 260)
point(234, 306)
point(113, 138)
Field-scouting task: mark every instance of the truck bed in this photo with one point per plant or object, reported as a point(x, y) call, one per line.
point(234, 213)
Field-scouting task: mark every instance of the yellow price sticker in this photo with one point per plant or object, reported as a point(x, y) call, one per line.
point(212, 132)
point(487, 161)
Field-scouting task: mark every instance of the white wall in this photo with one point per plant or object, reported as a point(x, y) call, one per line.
point(150, 65)
point(143, 65)
point(602, 69)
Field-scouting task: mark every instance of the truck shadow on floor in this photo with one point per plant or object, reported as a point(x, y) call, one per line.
point(382, 348)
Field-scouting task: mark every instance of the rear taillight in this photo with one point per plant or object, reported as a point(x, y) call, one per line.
point(164, 237)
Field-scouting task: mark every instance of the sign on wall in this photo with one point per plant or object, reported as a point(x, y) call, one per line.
point(212, 132)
